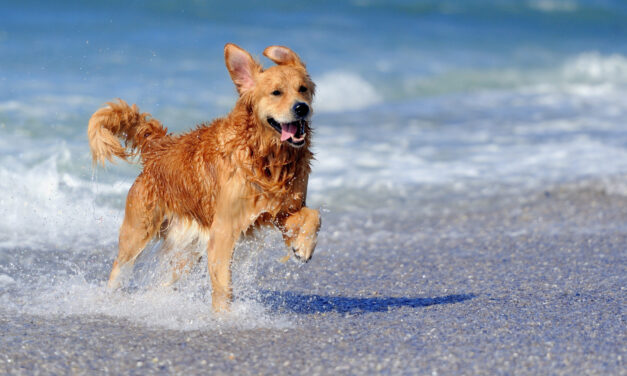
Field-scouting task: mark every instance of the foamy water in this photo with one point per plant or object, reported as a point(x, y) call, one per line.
point(59, 284)
point(409, 109)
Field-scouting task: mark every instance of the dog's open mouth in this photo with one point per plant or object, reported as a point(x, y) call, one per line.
point(293, 132)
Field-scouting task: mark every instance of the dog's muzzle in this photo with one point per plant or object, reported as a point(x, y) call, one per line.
point(293, 133)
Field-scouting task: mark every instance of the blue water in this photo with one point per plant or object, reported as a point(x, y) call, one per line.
point(417, 100)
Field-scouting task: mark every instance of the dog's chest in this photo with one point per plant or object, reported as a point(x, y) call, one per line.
point(287, 199)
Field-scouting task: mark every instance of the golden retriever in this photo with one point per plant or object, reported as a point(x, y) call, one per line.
point(212, 184)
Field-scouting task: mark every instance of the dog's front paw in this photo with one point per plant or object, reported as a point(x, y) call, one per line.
point(300, 232)
point(299, 256)
point(303, 246)
point(305, 242)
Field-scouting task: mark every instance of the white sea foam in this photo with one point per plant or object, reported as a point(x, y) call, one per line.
point(344, 91)
point(597, 68)
point(164, 307)
point(392, 164)
point(51, 285)
point(585, 74)
point(40, 210)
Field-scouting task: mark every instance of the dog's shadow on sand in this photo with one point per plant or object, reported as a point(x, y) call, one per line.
point(311, 304)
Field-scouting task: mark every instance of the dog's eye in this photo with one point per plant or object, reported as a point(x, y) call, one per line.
point(276, 93)
point(302, 89)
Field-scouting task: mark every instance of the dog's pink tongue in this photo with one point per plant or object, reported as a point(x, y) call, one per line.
point(287, 131)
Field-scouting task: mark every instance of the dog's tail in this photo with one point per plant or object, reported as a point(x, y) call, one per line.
point(119, 121)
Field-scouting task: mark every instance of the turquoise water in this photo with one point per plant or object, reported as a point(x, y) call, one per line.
point(417, 101)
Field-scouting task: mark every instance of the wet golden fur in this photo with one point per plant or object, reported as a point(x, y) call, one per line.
point(212, 184)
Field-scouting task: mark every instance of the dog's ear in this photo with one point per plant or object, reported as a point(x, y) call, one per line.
point(282, 56)
point(242, 67)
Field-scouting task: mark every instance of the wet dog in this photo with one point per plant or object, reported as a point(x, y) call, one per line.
point(211, 185)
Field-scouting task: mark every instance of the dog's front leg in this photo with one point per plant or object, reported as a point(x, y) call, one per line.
point(300, 231)
point(222, 238)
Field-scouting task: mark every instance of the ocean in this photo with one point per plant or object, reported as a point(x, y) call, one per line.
point(422, 108)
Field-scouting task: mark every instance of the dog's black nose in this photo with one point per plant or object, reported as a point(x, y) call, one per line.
point(301, 109)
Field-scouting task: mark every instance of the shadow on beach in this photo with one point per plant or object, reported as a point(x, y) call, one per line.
point(310, 304)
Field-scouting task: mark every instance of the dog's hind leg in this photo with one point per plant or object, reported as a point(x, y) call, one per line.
point(141, 222)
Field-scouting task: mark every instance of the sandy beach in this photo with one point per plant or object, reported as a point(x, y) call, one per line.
point(530, 284)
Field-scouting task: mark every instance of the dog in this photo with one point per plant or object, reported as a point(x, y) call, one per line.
point(211, 185)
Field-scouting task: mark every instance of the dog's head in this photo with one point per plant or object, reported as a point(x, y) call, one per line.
point(281, 95)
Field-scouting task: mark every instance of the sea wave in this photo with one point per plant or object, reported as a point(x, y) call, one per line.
point(585, 72)
point(344, 91)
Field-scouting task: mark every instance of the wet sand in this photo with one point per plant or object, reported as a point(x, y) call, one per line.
point(523, 284)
